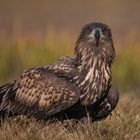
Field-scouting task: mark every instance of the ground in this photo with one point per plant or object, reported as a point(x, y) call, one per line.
point(123, 124)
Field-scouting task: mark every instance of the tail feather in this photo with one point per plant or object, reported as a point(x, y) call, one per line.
point(4, 89)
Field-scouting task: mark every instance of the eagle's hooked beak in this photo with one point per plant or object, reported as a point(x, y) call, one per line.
point(97, 36)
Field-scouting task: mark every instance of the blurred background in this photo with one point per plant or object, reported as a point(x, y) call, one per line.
point(35, 32)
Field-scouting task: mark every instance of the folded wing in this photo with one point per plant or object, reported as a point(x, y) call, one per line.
point(38, 92)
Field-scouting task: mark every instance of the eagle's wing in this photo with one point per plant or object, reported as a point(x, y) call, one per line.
point(63, 70)
point(38, 91)
point(67, 60)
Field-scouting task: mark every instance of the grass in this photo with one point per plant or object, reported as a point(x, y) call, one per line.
point(28, 39)
point(21, 53)
point(123, 124)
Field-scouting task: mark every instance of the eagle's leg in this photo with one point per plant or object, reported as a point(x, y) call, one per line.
point(104, 108)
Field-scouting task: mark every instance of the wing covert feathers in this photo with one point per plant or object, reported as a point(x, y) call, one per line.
point(37, 91)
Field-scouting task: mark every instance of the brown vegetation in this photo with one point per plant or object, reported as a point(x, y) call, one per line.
point(123, 124)
point(35, 33)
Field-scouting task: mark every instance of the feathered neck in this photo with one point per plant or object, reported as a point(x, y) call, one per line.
point(86, 54)
point(94, 64)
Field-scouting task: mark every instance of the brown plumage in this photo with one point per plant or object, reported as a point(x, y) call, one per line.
point(93, 62)
point(38, 92)
point(83, 81)
point(94, 56)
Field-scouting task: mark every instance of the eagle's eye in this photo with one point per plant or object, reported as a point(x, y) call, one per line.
point(103, 30)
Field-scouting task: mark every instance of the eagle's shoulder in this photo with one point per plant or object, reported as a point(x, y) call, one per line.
point(33, 73)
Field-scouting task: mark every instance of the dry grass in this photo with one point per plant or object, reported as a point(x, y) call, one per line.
point(123, 124)
point(22, 53)
point(38, 34)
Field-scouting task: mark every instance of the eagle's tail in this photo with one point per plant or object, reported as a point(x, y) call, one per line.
point(4, 89)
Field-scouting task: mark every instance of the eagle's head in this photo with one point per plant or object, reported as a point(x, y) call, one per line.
point(96, 38)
